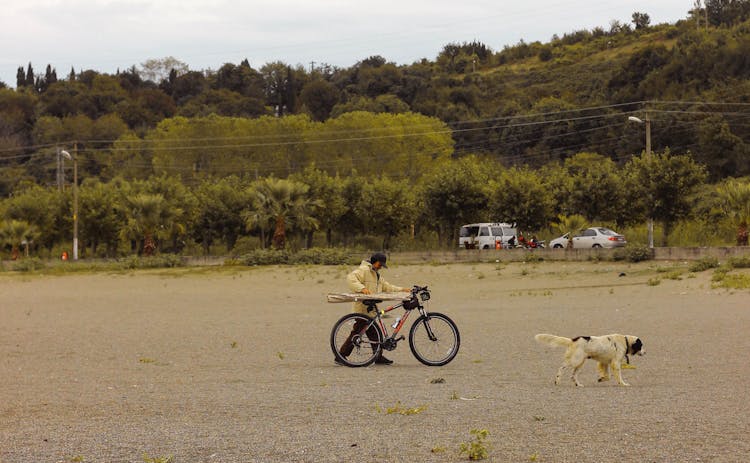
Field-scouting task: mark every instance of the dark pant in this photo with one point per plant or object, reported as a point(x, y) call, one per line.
point(359, 325)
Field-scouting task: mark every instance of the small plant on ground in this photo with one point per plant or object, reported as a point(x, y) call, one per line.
point(401, 410)
point(654, 281)
point(148, 459)
point(704, 264)
point(476, 449)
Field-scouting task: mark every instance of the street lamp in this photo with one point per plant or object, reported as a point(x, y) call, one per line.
point(648, 156)
point(75, 201)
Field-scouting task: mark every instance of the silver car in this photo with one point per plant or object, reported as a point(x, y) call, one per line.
point(594, 237)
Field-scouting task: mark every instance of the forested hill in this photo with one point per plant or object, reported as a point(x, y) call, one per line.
point(531, 103)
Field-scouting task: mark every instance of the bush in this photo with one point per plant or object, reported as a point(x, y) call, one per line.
point(704, 264)
point(265, 257)
point(322, 256)
point(739, 262)
point(316, 256)
point(160, 261)
point(28, 265)
point(635, 253)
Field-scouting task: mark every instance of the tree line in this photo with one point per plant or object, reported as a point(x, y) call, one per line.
point(313, 208)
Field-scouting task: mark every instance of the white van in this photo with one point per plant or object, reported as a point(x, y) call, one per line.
point(487, 235)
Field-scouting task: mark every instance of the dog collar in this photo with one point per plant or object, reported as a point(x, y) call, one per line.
point(627, 350)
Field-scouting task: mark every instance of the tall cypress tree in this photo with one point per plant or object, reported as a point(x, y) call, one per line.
point(50, 75)
point(20, 77)
point(30, 76)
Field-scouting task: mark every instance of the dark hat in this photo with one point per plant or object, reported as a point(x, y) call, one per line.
point(378, 257)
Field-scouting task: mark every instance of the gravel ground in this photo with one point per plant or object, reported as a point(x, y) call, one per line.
point(234, 365)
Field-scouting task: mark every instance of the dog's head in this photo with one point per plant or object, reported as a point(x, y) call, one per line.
point(636, 345)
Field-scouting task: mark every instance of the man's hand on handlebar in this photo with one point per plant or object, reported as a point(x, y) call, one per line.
point(366, 291)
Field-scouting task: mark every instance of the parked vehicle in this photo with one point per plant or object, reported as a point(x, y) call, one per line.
point(531, 243)
point(594, 237)
point(488, 235)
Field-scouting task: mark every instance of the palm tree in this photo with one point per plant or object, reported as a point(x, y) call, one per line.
point(735, 202)
point(17, 233)
point(148, 218)
point(282, 204)
point(570, 224)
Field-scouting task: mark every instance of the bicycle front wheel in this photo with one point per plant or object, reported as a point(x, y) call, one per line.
point(356, 341)
point(434, 339)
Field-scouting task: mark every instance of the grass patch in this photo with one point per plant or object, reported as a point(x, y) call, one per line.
point(401, 410)
point(477, 448)
point(654, 281)
point(730, 280)
point(165, 459)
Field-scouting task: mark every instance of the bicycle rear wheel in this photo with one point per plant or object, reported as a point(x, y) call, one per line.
point(355, 341)
point(434, 339)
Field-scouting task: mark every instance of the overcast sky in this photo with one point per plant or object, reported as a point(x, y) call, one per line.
point(105, 35)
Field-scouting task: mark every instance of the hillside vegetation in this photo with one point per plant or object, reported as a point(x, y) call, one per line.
point(173, 158)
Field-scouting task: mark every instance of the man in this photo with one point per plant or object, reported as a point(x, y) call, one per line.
point(366, 279)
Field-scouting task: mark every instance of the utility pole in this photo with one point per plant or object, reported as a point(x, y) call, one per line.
point(647, 121)
point(74, 158)
point(75, 201)
point(312, 66)
point(648, 156)
point(59, 170)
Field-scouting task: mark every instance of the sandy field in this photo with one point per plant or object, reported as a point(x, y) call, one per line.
point(234, 365)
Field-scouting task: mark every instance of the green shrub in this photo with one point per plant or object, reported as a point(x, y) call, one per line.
point(322, 256)
point(733, 281)
point(704, 264)
point(160, 261)
point(739, 262)
point(28, 265)
point(312, 256)
point(266, 257)
point(633, 253)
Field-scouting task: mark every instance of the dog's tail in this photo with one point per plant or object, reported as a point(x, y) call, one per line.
point(553, 340)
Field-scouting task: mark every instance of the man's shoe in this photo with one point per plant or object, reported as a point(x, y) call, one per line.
point(383, 361)
point(338, 362)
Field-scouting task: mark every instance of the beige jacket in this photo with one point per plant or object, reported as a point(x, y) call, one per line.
point(365, 277)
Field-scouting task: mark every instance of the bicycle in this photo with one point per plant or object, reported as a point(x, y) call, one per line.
point(433, 338)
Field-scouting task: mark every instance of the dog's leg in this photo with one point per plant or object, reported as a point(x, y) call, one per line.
point(576, 361)
point(560, 372)
point(618, 372)
point(603, 371)
point(575, 374)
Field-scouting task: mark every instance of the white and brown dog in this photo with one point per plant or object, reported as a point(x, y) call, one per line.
point(609, 350)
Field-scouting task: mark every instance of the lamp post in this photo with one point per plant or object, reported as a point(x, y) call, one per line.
point(75, 201)
point(648, 156)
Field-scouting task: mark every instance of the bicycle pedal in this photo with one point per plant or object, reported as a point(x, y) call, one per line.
point(400, 338)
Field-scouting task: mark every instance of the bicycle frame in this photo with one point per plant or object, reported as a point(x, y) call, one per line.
point(378, 318)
